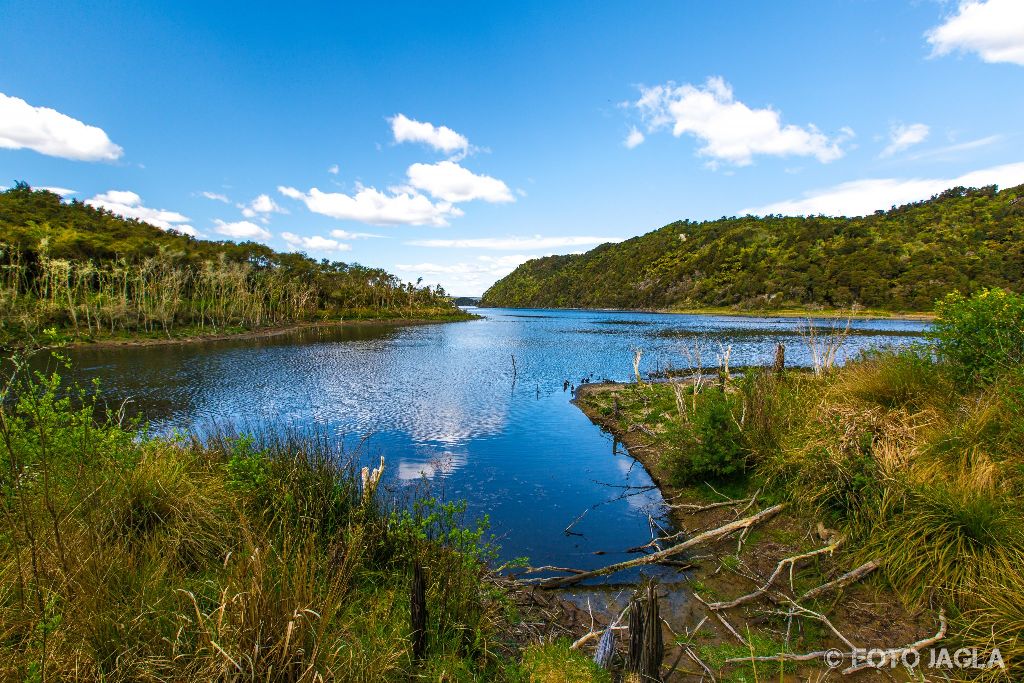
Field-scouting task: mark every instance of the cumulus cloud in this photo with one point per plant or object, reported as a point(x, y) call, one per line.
point(369, 205)
point(467, 277)
point(241, 230)
point(730, 130)
point(514, 243)
point(993, 29)
point(451, 182)
point(129, 204)
point(262, 205)
point(50, 132)
point(634, 138)
point(903, 136)
point(861, 197)
point(441, 138)
point(314, 243)
point(216, 196)
point(62, 191)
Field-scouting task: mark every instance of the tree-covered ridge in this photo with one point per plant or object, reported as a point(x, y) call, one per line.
point(86, 271)
point(901, 259)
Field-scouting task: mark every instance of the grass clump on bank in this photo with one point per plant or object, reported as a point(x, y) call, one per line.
point(916, 456)
point(126, 558)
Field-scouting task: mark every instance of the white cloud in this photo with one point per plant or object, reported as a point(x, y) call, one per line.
point(62, 191)
point(634, 139)
point(993, 29)
point(369, 205)
point(49, 132)
point(952, 150)
point(451, 182)
point(216, 196)
point(441, 138)
point(241, 230)
point(467, 277)
point(904, 136)
point(334, 170)
point(513, 243)
point(129, 204)
point(730, 130)
point(314, 243)
point(861, 197)
point(263, 204)
point(346, 235)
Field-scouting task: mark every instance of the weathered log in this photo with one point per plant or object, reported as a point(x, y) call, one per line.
point(654, 558)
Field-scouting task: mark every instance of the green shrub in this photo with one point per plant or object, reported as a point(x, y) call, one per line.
point(980, 336)
point(713, 445)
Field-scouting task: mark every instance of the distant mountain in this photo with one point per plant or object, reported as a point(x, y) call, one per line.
point(901, 259)
point(466, 300)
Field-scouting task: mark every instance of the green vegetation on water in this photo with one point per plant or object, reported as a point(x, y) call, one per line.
point(896, 260)
point(916, 456)
point(71, 271)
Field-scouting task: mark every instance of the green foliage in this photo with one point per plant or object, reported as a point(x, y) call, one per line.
point(900, 259)
point(980, 336)
point(126, 558)
point(555, 662)
point(68, 270)
point(712, 444)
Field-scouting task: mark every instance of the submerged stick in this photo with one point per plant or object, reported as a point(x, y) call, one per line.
point(654, 558)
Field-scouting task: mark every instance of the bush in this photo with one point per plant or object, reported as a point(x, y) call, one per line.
point(713, 446)
point(981, 336)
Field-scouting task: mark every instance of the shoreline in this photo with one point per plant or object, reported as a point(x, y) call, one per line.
point(265, 332)
point(795, 313)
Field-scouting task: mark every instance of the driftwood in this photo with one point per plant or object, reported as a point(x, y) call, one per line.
point(897, 653)
point(654, 558)
point(841, 582)
point(788, 561)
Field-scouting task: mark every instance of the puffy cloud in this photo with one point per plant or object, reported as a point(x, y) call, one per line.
point(50, 132)
point(263, 204)
point(730, 130)
point(451, 182)
point(514, 243)
point(314, 243)
point(861, 197)
point(634, 138)
point(129, 204)
point(903, 136)
point(216, 196)
point(994, 29)
point(241, 230)
point(62, 191)
point(369, 205)
point(441, 138)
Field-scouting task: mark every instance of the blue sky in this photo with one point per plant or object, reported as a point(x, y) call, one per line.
point(455, 140)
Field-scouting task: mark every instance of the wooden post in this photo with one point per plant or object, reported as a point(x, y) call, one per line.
point(780, 359)
point(646, 642)
point(419, 613)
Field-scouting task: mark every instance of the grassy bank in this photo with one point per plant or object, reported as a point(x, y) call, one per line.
point(129, 558)
point(913, 458)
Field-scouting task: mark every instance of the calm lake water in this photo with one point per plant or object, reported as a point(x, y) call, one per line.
point(443, 403)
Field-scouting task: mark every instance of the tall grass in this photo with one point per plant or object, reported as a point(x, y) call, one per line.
point(127, 558)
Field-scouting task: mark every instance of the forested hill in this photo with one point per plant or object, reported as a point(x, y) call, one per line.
point(901, 259)
point(86, 272)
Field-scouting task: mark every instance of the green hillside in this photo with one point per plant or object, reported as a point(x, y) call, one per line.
point(898, 260)
point(71, 270)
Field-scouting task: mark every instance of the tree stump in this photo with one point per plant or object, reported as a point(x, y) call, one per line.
point(646, 641)
point(418, 611)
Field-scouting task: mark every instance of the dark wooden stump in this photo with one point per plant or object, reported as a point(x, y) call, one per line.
point(780, 359)
point(646, 641)
point(419, 613)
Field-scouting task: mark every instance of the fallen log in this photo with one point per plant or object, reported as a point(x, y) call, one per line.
point(654, 558)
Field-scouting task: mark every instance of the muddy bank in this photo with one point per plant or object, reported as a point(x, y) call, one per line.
point(866, 613)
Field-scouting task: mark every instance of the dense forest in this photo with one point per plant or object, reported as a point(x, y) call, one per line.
point(85, 272)
point(902, 259)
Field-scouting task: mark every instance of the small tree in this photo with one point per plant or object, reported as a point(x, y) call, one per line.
point(981, 336)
